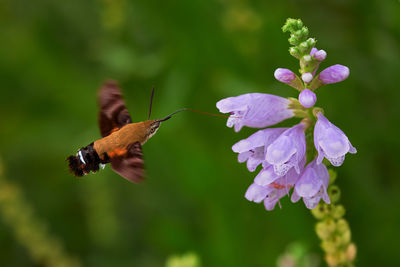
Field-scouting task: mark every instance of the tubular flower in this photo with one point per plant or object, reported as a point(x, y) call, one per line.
point(331, 142)
point(253, 148)
point(287, 150)
point(312, 185)
point(270, 188)
point(255, 110)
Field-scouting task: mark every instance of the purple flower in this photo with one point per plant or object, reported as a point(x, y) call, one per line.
point(334, 74)
point(287, 150)
point(284, 75)
point(280, 188)
point(253, 148)
point(255, 110)
point(307, 98)
point(257, 193)
point(312, 185)
point(272, 192)
point(331, 142)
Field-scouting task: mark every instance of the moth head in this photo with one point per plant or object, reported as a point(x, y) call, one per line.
point(152, 129)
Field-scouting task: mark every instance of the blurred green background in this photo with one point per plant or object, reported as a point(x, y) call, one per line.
point(55, 55)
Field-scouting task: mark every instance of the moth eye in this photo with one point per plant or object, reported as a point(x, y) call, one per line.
point(152, 130)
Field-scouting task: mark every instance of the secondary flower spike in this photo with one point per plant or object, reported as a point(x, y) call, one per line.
point(255, 110)
point(331, 142)
point(312, 185)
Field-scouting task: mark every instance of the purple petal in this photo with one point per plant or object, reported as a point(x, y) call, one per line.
point(281, 150)
point(311, 203)
point(312, 185)
point(258, 139)
point(284, 75)
point(307, 98)
point(313, 51)
point(331, 142)
point(295, 197)
point(334, 74)
point(242, 157)
point(309, 183)
point(272, 198)
point(266, 176)
point(320, 55)
point(255, 110)
point(257, 193)
point(253, 162)
point(287, 150)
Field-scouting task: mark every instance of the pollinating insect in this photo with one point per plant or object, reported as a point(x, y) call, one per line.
point(122, 140)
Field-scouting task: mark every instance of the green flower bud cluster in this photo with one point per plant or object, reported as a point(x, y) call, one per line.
point(333, 229)
point(301, 44)
point(15, 211)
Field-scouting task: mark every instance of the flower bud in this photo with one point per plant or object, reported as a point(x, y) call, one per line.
point(307, 58)
point(320, 211)
point(284, 75)
point(303, 47)
point(334, 74)
point(320, 55)
point(294, 51)
point(342, 226)
point(307, 77)
point(325, 229)
point(334, 193)
point(311, 42)
point(307, 98)
point(338, 212)
point(329, 246)
point(293, 40)
point(351, 252)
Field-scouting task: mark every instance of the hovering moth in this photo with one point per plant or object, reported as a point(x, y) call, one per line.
point(121, 142)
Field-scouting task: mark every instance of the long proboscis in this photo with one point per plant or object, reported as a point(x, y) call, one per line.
point(188, 109)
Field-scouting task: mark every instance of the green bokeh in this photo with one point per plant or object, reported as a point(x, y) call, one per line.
point(55, 54)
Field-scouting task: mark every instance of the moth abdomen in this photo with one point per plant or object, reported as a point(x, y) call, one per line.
point(85, 160)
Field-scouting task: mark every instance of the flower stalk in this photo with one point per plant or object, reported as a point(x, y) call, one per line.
point(333, 229)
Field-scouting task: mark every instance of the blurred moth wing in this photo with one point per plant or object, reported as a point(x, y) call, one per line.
point(113, 115)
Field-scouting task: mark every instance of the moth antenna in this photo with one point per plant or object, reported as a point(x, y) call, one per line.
point(151, 103)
